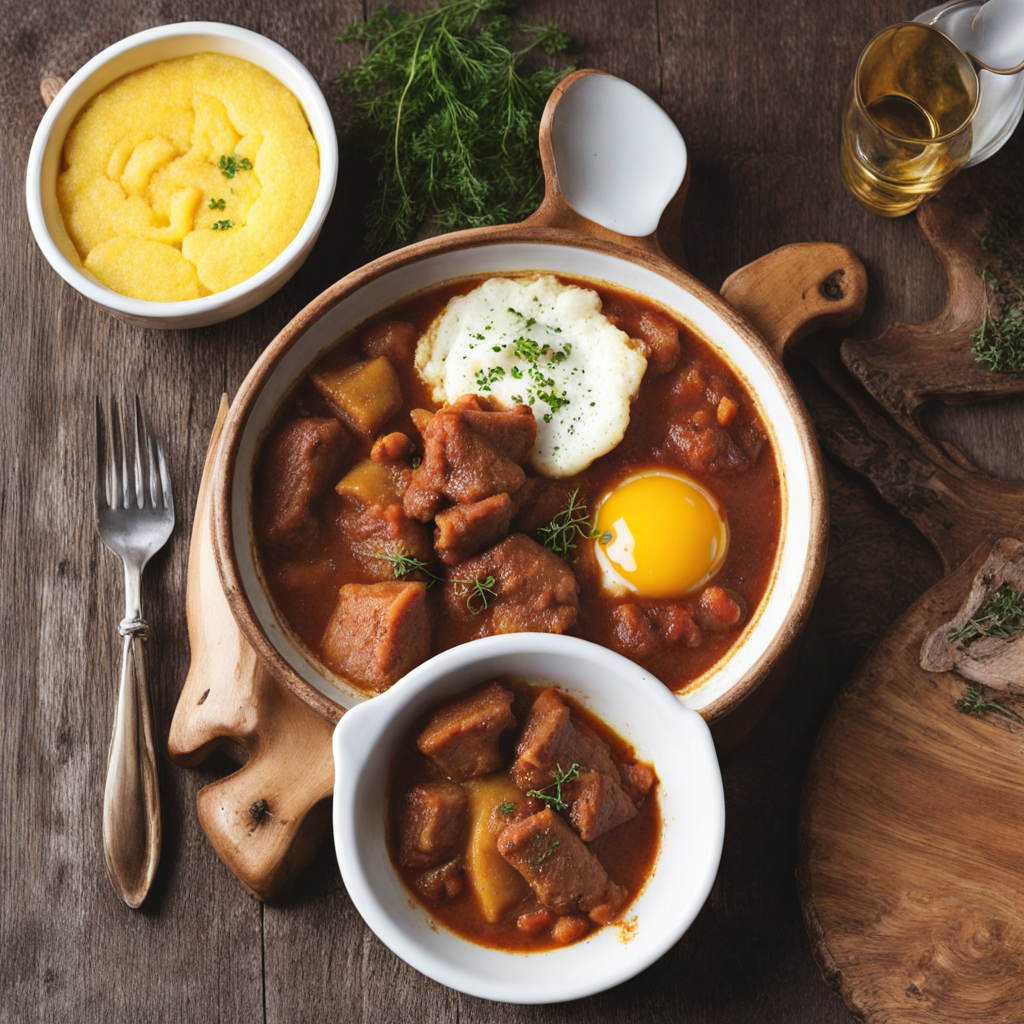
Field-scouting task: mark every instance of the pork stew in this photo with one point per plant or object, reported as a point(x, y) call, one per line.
point(519, 820)
point(390, 525)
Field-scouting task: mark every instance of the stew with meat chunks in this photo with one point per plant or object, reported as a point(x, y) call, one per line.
point(601, 472)
point(520, 820)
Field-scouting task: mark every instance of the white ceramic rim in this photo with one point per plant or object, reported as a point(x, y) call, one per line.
point(674, 739)
point(90, 79)
point(755, 365)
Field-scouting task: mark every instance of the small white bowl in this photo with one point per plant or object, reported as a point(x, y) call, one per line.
point(132, 54)
point(641, 709)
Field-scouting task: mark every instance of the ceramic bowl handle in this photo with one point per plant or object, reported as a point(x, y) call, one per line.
point(613, 160)
point(797, 289)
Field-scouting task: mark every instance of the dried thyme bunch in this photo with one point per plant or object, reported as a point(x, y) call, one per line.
point(452, 114)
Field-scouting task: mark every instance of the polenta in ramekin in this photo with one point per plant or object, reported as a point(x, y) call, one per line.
point(185, 178)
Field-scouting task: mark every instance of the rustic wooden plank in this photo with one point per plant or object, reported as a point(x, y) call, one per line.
point(756, 89)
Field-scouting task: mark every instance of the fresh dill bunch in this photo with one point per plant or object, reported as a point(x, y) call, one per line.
point(455, 118)
point(571, 522)
point(998, 344)
point(973, 703)
point(1001, 616)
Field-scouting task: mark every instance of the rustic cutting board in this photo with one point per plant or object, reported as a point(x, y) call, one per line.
point(911, 868)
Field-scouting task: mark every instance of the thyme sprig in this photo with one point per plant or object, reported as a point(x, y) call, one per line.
point(998, 344)
point(973, 703)
point(572, 522)
point(535, 862)
point(479, 593)
point(1001, 616)
point(452, 116)
point(561, 779)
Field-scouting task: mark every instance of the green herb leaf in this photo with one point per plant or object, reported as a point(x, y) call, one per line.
point(1002, 616)
point(215, 204)
point(535, 862)
point(452, 118)
point(222, 225)
point(572, 522)
point(507, 808)
point(973, 703)
point(998, 344)
point(554, 799)
point(479, 592)
point(230, 165)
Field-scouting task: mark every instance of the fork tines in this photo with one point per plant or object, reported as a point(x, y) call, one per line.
point(124, 465)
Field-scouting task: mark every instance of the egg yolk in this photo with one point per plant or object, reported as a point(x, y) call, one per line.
point(660, 535)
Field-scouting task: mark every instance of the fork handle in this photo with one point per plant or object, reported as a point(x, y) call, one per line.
point(131, 798)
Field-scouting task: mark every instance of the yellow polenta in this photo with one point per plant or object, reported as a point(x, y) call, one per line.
point(187, 177)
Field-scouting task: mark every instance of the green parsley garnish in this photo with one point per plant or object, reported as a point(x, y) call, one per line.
point(416, 460)
point(480, 592)
point(453, 118)
point(222, 225)
point(561, 779)
point(215, 204)
point(485, 378)
point(973, 703)
point(231, 165)
point(1001, 616)
point(507, 808)
point(573, 521)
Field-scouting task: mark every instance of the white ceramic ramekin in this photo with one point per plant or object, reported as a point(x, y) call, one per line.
point(641, 709)
point(140, 51)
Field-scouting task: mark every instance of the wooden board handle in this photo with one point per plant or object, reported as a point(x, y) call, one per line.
point(266, 820)
point(798, 289)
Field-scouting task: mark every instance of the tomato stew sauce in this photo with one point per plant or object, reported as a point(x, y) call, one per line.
point(666, 420)
point(445, 848)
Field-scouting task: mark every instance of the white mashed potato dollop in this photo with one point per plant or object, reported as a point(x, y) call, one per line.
point(542, 343)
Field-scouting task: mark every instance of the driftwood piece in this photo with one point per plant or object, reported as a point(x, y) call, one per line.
point(992, 661)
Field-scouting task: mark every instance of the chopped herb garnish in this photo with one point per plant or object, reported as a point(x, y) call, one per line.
point(573, 521)
point(480, 592)
point(215, 204)
point(507, 808)
point(561, 779)
point(231, 165)
point(416, 460)
point(535, 862)
point(485, 378)
point(973, 703)
point(222, 225)
point(1001, 616)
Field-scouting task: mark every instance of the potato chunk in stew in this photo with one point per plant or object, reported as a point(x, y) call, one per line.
point(365, 395)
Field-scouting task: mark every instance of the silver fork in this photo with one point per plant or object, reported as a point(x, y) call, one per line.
point(135, 516)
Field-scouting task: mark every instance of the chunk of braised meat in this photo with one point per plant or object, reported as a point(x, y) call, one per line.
point(638, 631)
point(659, 336)
point(463, 530)
point(551, 738)
point(303, 459)
point(375, 531)
point(391, 448)
point(534, 590)
point(536, 503)
point(395, 339)
point(463, 738)
point(445, 880)
point(597, 804)
point(466, 456)
point(566, 877)
point(721, 610)
point(421, 419)
point(378, 632)
point(533, 922)
point(431, 823)
point(637, 780)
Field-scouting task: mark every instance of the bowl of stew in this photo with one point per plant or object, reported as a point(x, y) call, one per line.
point(486, 863)
point(375, 508)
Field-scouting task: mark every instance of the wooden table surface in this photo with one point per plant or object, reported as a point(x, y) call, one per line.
point(756, 88)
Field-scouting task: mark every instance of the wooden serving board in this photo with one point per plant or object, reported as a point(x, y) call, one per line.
point(266, 820)
point(911, 864)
